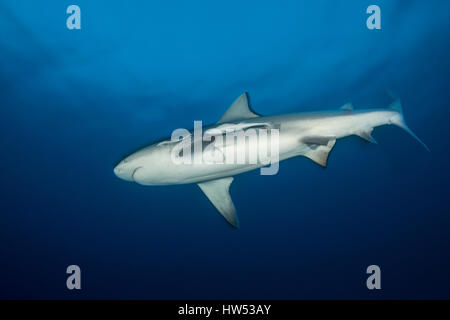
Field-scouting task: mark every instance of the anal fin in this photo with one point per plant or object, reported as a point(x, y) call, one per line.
point(367, 135)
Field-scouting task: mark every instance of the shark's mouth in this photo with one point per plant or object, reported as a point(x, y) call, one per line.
point(134, 172)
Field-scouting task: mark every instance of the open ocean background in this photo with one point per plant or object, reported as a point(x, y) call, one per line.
point(74, 103)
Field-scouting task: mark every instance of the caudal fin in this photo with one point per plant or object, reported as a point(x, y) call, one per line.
point(400, 121)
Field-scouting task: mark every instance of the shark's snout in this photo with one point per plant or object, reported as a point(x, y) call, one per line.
point(125, 170)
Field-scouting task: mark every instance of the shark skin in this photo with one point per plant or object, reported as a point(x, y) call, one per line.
point(312, 135)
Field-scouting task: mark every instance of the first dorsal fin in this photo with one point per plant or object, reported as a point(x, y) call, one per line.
point(218, 192)
point(347, 107)
point(239, 110)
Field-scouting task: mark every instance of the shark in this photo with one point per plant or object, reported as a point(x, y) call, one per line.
point(312, 135)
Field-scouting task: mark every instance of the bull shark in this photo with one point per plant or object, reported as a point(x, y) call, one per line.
point(312, 135)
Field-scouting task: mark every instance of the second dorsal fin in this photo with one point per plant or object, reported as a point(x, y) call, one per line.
point(239, 110)
point(347, 107)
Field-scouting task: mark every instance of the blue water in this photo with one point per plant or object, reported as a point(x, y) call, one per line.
point(75, 102)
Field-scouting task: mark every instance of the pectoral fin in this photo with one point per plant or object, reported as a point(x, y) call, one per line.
point(218, 193)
